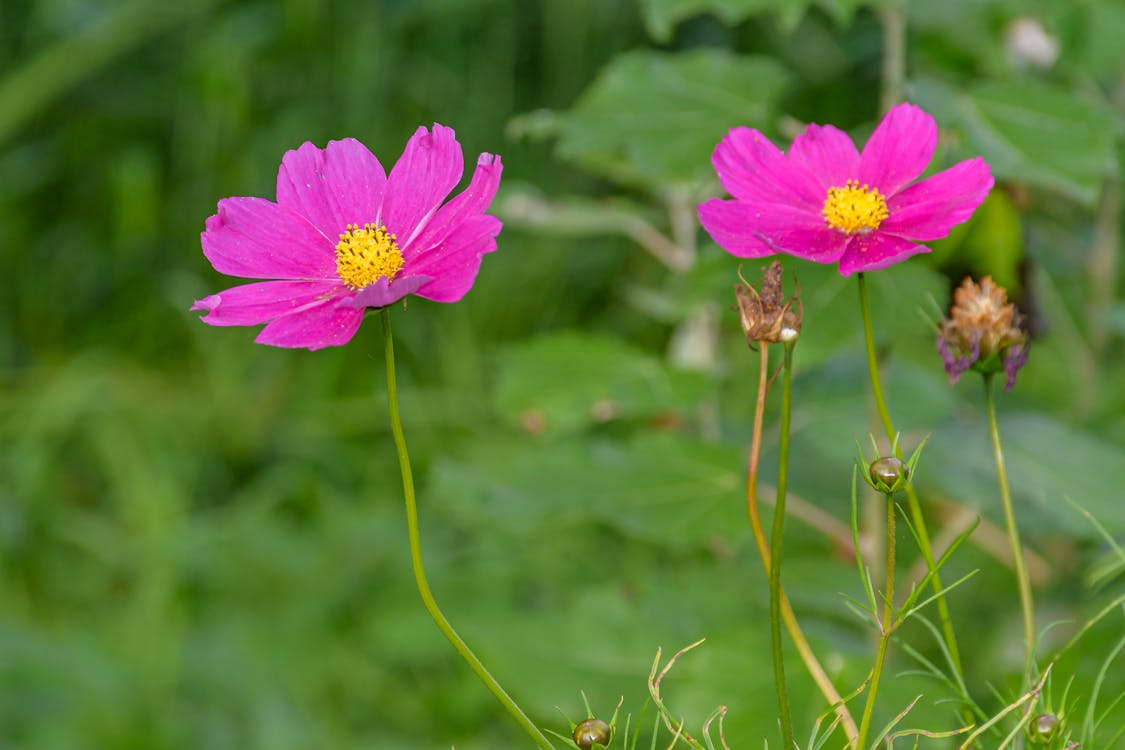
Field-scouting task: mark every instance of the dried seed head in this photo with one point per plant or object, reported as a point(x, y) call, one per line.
point(983, 332)
point(764, 312)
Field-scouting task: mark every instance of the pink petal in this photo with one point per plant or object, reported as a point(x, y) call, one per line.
point(454, 264)
point(251, 304)
point(341, 185)
point(315, 326)
point(754, 230)
point(828, 153)
point(384, 292)
point(899, 150)
point(728, 224)
point(752, 168)
point(258, 239)
point(870, 252)
point(927, 210)
point(429, 168)
point(472, 202)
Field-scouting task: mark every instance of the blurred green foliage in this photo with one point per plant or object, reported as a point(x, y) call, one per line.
point(201, 540)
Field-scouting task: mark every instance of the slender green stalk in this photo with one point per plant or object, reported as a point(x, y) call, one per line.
point(416, 551)
point(893, 16)
point(913, 505)
point(775, 553)
point(886, 629)
point(812, 664)
point(1022, 580)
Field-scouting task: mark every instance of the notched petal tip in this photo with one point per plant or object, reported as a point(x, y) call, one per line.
point(207, 304)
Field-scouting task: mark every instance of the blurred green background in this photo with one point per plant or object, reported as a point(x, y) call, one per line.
point(201, 539)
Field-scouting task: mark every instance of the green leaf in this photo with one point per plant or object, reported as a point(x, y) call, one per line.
point(1046, 460)
point(644, 487)
point(652, 118)
point(1031, 132)
point(565, 382)
point(661, 16)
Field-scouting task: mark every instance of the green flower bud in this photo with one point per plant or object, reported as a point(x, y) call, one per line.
point(888, 474)
point(1044, 728)
point(592, 732)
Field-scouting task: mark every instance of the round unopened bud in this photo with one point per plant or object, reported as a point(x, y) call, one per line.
point(592, 732)
point(888, 474)
point(1043, 728)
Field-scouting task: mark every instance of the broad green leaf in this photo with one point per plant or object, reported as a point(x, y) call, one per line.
point(661, 16)
point(565, 382)
point(1031, 132)
point(1045, 460)
point(653, 118)
point(659, 487)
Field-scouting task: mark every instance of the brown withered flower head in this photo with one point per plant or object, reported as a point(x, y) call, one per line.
point(983, 332)
point(765, 313)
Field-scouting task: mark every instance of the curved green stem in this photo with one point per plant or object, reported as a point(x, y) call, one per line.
point(913, 505)
point(886, 629)
point(1022, 580)
point(416, 551)
point(788, 616)
point(775, 553)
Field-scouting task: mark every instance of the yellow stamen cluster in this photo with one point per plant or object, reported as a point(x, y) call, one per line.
point(365, 255)
point(854, 209)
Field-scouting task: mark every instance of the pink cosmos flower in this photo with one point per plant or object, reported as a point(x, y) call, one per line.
point(344, 236)
point(826, 202)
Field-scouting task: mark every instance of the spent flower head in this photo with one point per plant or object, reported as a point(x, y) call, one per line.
point(344, 236)
point(983, 332)
point(764, 312)
point(827, 202)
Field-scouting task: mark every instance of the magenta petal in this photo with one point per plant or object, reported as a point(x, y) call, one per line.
point(251, 304)
point(870, 252)
point(429, 168)
point(927, 210)
point(728, 223)
point(472, 202)
point(777, 227)
point(752, 168)
point(341, 185)
point(327, 323)
point(384, 292)
point(899, 150)
point(455, 263)
point(258, 239)
point(828, 153)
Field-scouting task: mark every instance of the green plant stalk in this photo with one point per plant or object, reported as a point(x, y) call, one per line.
point(812, 664)
point(775, 552)
point(416, 551)
point(886, 629)
point(913, 505)
point(1022, 579)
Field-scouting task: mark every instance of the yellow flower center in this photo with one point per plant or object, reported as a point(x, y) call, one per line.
point(365, 255)
point(854, 209)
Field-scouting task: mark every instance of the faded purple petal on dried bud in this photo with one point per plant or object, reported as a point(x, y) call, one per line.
point(764, 312)
point(983, 332)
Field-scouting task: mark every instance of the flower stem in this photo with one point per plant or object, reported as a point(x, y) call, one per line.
point(416, 551)
point(913, 505)
point(815, 670)
point(893, 16)
point(775, 553)
point(885, 630)
point(1010, 521)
